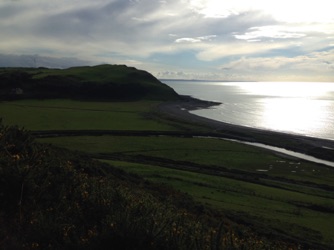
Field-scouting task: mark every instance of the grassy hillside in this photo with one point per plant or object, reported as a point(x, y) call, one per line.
point(103, 82)
point(52, 198)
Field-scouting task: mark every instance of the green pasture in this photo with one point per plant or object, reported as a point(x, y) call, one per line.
point(264, 205)
point(75, 115)
point(284, 206)
point(221, 153)
point(198, 150)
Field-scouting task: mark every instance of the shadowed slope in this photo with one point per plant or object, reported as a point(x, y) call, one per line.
point(103, 82)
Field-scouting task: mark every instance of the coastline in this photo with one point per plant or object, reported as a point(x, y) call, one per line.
point(180, 110)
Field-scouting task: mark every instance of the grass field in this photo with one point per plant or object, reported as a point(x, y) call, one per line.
point(265, 204)
point(206, 151)
point(249, 184)
point(282, 202)
point(76, 115)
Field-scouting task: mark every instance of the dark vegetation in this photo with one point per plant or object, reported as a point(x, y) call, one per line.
point(52, 198)
point(103, 82)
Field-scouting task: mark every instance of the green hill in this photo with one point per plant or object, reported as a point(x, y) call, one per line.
point(103, 82)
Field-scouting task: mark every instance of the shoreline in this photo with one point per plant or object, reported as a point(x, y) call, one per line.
point(180, 110)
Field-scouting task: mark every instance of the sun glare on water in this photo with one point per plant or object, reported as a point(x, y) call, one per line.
point(288, 89)
point(287, 106)
point(293, 114)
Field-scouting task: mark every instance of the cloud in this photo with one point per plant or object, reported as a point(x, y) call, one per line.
point(7, 60)
point(195, 39)
point(236, 49)
point(284, 10)
point(145, 32)
point(320, 65)
point(217, 8)
point(278, 32)
point(134, 28)
point(188, 75)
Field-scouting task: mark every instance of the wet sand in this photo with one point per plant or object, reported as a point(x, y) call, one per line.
point(179, 110)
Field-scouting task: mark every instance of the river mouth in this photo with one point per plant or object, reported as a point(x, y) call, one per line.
point(278, 150)
point(286, 152)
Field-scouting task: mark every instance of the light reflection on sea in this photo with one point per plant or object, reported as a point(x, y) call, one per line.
point(292, 107)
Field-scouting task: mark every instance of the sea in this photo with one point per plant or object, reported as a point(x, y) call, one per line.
point(303, 108)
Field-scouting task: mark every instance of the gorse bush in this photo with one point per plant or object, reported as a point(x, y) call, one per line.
point(52, 198)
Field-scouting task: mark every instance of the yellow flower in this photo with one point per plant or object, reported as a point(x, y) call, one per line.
point(16, 157)
point(85, 194)
point(34, 245)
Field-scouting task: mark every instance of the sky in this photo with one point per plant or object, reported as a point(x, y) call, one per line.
point(230, 40)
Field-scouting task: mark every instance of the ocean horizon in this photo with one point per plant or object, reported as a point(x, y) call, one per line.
point(302, 108)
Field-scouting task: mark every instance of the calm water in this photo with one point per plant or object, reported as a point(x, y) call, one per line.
point(292, 107)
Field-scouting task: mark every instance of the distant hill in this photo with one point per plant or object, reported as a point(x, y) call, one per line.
point(103, 82)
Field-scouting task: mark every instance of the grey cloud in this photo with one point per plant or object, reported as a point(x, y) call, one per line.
point(7, 12)
point(126, 22)
point(315, 63)
point(7, 60)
